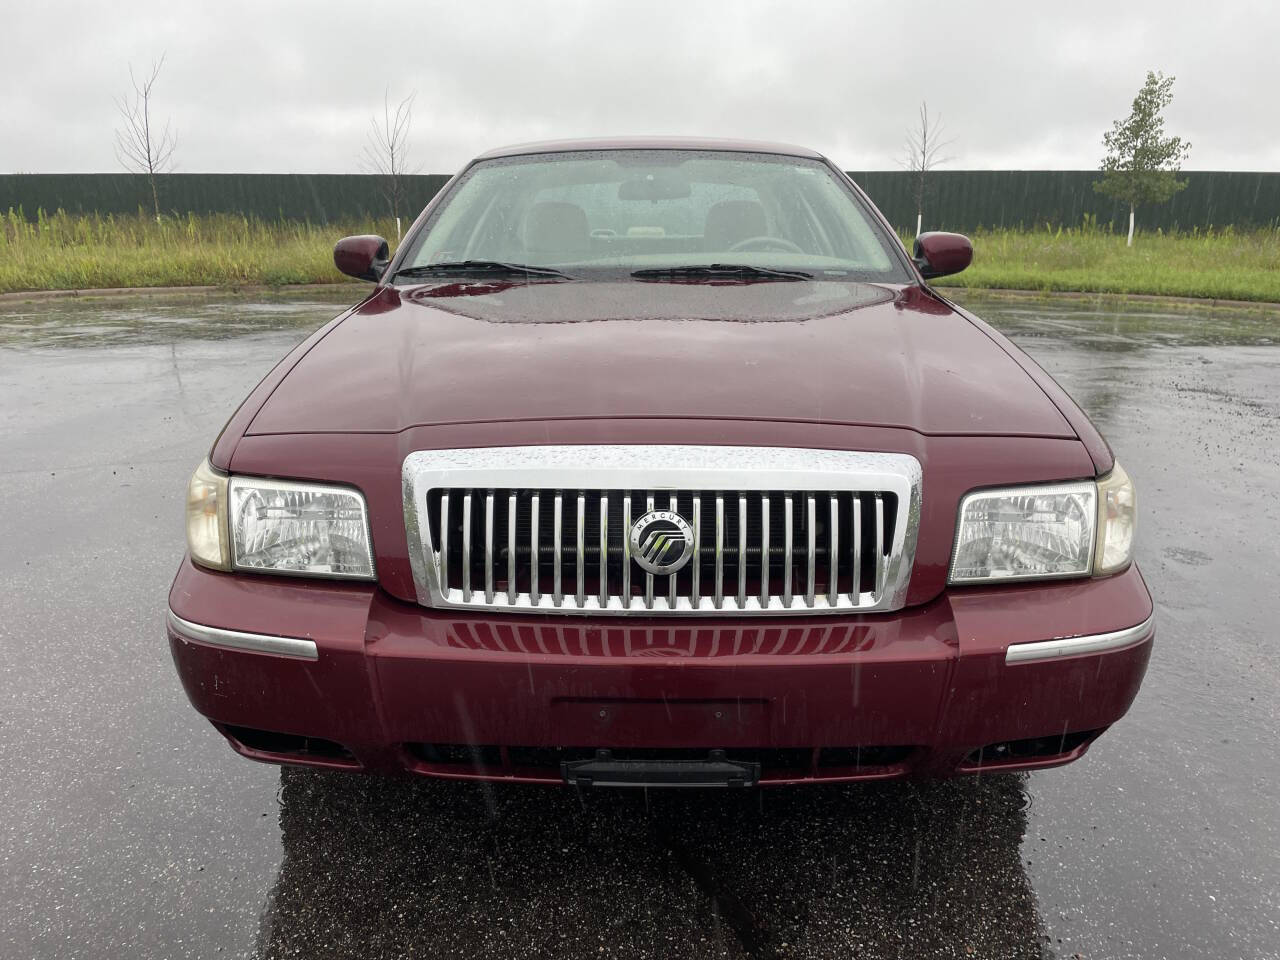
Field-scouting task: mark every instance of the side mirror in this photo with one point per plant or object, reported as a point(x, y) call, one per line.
point(940, 254)
point(365, 257)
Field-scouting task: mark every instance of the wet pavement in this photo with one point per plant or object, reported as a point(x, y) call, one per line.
point(130, 829)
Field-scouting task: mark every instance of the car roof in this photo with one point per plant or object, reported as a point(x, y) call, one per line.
point(651, 143)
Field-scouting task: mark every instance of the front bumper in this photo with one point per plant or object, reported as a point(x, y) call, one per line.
point(344, 675)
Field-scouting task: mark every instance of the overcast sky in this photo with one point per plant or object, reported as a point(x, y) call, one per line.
point(290, 87)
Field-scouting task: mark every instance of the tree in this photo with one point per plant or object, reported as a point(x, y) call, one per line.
point(386, 153)
point(1142, 164)
point(138, 148)
point(924, 148)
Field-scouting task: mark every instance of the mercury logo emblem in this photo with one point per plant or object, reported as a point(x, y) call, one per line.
point(661, 542)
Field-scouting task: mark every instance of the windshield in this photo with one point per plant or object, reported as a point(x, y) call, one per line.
point(626, 210)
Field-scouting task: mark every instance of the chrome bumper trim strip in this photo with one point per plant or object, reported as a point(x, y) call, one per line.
point(1074, 646)
point(238, 640)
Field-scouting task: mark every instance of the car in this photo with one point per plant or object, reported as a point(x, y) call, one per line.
point(659, 462)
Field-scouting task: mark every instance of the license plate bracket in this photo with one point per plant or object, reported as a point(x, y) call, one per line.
point(606, 770)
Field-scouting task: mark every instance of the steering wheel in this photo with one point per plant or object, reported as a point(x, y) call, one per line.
point(763, 244)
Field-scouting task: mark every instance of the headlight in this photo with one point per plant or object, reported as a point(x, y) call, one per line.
point(207, 518)
point(299, 528)
point(1117, 520)
point(1025, 533)
point(1045, 531)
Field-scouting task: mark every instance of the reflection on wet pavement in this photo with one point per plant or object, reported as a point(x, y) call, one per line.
point(372, 865)
point(1109, 326)
point(131, 830)
point(90, 322)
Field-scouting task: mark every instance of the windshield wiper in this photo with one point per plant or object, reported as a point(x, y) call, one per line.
point(728, 270)
point(488, 268)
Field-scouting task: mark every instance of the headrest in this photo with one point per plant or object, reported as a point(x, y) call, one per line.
point(556, 231)
point(732, 221)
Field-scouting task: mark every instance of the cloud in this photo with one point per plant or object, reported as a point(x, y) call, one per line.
point(290, 87)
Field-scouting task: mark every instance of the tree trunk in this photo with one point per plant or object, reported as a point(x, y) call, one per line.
point(1130, 242)
point(155, 197)
point(919, 218)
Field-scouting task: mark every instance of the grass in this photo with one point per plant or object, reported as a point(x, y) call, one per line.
point(1221, 264)
point(62, 252)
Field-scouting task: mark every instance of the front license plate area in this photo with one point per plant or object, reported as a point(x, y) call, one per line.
point(606, 770)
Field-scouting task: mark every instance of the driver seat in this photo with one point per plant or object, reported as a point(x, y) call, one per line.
point(732, 221)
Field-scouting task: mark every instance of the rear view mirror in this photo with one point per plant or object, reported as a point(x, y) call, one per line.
point(941, 254)
point(364, 257)
point(655, 185)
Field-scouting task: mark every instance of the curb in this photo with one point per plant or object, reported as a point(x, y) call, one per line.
point(956, 290)
point(194, 291)
point(959, 291)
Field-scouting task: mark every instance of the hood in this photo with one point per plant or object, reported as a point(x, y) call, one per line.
point(817, 351)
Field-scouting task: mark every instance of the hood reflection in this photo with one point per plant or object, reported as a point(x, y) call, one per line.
point(375, 867)
point(559, 301)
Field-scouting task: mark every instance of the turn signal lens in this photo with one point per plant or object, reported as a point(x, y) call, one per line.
point(207, 518)
point(1117, 520)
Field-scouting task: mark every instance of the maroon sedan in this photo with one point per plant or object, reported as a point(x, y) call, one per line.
point(659, 462)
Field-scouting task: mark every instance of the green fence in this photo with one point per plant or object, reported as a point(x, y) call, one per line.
point(969, 199)
point(317, 197)
point(955, 199)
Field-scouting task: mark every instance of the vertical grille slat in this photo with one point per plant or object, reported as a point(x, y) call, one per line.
point(648, 577)
point(557, 558)
point(604, 550)
point(466, 547)
point(719, 594)
point(695, 587)
point(833, 551)
point(580, 565)
point(566, 545)
point(811, 533)
point(855, 587)
point(488, 547)
point(672, 581)
point(626, 551)
point(879, 547)
point(742, 552)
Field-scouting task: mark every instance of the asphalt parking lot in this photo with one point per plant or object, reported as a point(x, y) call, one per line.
point(131, 830)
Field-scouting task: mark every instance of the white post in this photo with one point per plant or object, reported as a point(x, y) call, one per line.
point(398, 229)
point(919, 217)
point(1130, 243)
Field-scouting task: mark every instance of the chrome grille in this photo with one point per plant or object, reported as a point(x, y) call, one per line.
point(774, 530)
